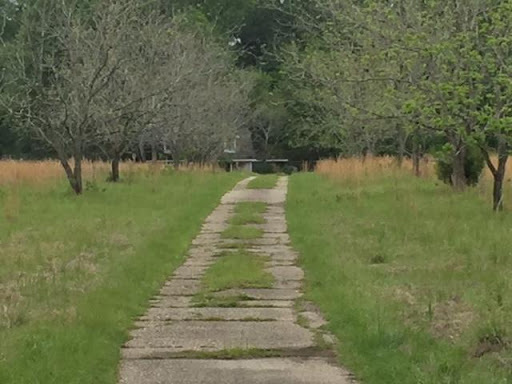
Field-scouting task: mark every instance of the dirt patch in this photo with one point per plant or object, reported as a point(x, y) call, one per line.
point(489, 344)
point(404, 295)
point(447, 319)
point(451, 318)
point(84, 262)
point(119, 240)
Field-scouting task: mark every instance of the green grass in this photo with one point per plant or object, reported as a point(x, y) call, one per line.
point(243, 219)
point(237, 269)
point(250, 208)
point(413, 278)
point(232, 354)
point(249, 213)
point(242, 232)
point(76, 271)
point(263, 182)
point(207, 299)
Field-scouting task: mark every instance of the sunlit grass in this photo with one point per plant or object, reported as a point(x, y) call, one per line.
point(250, 207)
point(413, 277)
point(242, 232)
point(246, 218)
point(76, 271)
point(237, 269)
point(263, 182)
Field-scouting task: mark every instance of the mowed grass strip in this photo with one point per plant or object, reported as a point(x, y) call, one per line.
point(249, 218)
point(242, 232)
point(237, 269)
point(77, 271)
point(414, 278)
point(263, 182)
point(253, 208)
point(249, 213)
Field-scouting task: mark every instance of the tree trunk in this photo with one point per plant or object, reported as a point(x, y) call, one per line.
point(78, 173)
point(400, 159)
point(142, 151)
point(114, 176)
point(70, 176)
point(154, 155)
point(499, 177)
point(497, 193)
point(498, 173)
point(416, 158)
point(459, 180)
point(402, 144)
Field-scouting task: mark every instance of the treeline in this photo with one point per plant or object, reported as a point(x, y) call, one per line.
point(101, 79)
point(407, 78)
point(301, 79)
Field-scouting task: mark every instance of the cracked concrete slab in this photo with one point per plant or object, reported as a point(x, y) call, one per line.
point(269, 196)
point(172, 302)
point(228, 314)
point(287, 273)
point(262, 293)
point(314, 319)
point(208, 336)
point(288, 284)
point(256, 371)
point(190, 272)
point(178, 287)
point(267, 303)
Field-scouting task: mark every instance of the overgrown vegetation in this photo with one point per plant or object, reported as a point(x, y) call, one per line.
point(411, 284)
point(250, 208)
point(237, 269)
point(65, 260)
point(246, 218)
point(242, 232)
point(263, 182)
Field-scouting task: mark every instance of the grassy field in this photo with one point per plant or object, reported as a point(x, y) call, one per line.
point(414, 279)
point(75, 272)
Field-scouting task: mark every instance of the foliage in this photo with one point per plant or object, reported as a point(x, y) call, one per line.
point(473, 166)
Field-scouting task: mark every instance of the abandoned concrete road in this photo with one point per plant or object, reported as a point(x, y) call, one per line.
point(268, 336)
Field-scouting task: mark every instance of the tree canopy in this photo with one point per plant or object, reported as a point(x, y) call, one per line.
point(304, 79)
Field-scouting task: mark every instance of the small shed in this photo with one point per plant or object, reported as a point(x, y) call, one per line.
point(251, 165)
point(242, 165)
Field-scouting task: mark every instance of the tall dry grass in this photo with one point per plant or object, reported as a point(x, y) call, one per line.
point(358, 172)
point(359, 169)
point(14, 172)
point(36, 173)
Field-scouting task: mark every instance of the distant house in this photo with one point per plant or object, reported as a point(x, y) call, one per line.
point(241, 157)
point(254, 165)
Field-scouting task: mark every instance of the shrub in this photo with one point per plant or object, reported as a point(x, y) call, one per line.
point(289, 169)
point(263, 168)
point(473, 166)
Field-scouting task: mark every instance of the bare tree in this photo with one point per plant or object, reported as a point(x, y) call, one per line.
point(62, 84)
point(206, 101)
point(129, 103)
